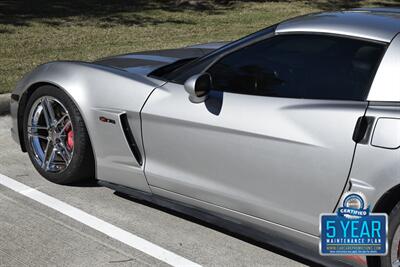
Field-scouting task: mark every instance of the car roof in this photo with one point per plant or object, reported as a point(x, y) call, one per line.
point(379, 24)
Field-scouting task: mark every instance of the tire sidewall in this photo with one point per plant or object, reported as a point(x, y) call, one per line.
point(78, 157)
point(394, 223)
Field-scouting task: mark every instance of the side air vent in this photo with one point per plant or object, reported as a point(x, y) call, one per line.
point(130, 139)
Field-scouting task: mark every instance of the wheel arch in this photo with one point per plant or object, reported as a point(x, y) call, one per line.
point(72, 77)
point(388, 200)
point(25, 96)
point(385, 204)
point(95, 90)
point(24, 100)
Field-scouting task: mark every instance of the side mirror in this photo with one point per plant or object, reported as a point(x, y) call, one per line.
point(198, 86)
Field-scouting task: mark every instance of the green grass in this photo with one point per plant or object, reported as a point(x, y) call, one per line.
point(29, 37)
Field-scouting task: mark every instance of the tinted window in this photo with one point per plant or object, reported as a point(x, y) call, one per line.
point(300, 66)
point(183, 73)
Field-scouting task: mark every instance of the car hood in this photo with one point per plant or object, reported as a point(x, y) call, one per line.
point(145, 62)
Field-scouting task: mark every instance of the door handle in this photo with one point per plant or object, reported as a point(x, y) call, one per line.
point(362, 129)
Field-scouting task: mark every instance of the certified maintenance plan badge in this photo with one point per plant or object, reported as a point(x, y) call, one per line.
point(353, 230)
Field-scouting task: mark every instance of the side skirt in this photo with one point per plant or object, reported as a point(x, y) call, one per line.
point(246, 231)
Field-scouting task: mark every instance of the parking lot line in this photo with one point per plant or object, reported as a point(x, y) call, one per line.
point(97, 224)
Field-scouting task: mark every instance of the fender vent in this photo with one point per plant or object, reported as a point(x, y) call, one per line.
point(130, 139)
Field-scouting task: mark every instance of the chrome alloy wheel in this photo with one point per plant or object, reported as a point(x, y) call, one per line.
point(50, 134)
point(395, 250)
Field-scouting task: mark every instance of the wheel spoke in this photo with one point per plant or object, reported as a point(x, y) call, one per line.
point(64, 157)
point(48, 112)
point(47, 155)
point(51, 159)
point(33, 132)
point(48, 126)
point(35, 127)
point(38, 136)
point(62, 119)
point(66, 126)
point(64, 152)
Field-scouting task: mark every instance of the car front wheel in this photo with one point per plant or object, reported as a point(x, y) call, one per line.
point(56, 137)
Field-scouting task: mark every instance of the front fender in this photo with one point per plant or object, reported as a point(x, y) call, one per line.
point(97, 91)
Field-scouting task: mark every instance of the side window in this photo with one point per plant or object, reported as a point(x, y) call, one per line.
point(300, 66)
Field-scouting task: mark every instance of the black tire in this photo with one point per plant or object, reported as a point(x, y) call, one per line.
point(81, 166)
point(394, 224)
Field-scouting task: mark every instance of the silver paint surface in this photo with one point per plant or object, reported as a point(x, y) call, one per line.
point(145, 62)
point(386, 85)
point(272, 158)
point(387, 133)
point(376, 170)
point(379, 26)
point(99, 91)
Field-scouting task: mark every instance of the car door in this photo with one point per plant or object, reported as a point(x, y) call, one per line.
point(274, 138)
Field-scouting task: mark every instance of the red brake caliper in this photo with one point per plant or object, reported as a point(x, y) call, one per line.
point(70, 138)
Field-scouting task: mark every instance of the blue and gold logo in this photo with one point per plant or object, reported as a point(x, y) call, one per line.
point(353, 230)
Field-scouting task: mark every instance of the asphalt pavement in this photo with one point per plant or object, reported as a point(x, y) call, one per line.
point(34, 234)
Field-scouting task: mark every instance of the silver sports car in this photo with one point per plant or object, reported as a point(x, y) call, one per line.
point(260, 135)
